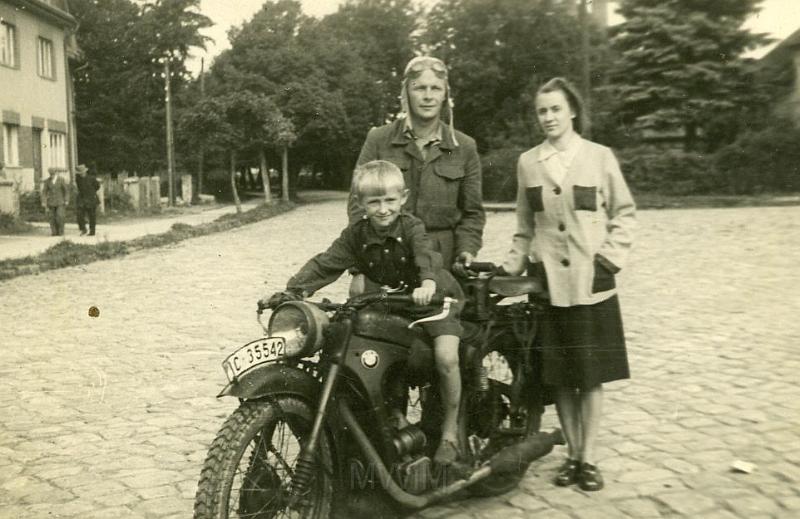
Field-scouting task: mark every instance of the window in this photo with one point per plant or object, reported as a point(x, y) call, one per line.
point(58, 155)
point(11, 144)
point(8, 45)
point(45, 58)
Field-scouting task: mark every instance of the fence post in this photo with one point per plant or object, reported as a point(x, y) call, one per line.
point(186, 189)
point(155, 191)
point(132, 188)
point(9, 198)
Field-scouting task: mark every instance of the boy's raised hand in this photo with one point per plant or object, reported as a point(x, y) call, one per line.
point(422, 295)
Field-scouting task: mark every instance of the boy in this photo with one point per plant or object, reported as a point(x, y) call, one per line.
point(390, 247)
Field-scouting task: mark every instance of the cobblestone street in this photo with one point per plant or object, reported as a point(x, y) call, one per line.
point(111, 417)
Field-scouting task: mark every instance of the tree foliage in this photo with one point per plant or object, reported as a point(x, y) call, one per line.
point(329, 78)
point(119, 87)
point(680, 63)
point(498, 53)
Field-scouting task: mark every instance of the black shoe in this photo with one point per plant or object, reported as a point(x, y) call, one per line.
point(590, 478)
point(83, 233)
point(91, 233)
point(568, 473)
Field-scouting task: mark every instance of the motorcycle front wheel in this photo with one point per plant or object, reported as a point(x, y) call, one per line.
point(249, 468)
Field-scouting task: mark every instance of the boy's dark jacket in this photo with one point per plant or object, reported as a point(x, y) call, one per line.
point(403, 254)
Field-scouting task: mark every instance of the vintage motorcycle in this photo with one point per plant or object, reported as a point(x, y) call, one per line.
point(316, 434)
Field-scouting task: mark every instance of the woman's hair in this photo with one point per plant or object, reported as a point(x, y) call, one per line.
point(559, 84)
point(376, 178)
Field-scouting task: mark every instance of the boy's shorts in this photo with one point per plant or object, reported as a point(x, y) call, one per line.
point(446, 285)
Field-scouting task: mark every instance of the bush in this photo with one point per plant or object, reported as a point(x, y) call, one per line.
point(763, 161)
point(10, 224)
point(119, 201)
point(30, 206)
point(648, 169)
point(500, 174)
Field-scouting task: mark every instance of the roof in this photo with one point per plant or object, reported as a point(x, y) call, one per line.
point(783, 51)
point(54, 11)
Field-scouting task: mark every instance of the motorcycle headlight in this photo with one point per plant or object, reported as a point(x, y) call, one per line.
point(301, 325)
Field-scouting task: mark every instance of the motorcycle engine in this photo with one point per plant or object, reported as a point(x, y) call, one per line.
point(414, 473)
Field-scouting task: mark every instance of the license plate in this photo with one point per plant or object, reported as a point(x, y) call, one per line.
point(253, 354)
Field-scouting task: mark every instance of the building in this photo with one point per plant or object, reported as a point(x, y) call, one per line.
point(37, 38)
point(783, 64)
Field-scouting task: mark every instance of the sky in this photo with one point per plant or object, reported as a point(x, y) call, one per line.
point(778, 18)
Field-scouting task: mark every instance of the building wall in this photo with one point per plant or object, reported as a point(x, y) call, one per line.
point(29, 100)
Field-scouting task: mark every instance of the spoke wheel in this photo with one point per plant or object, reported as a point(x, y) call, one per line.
point(249, 468)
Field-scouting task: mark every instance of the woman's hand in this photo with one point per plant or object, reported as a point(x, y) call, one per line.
point(422, 295)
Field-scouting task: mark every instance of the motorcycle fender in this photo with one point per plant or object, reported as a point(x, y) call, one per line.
point(273, 379)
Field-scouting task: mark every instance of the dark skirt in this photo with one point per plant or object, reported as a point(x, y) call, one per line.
point(583, 346)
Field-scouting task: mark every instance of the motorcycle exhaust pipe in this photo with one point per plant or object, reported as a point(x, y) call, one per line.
point(516, 458)
point(385, 478)
point(513, 458)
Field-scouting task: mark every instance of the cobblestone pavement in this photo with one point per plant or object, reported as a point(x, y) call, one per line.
point(111, 416)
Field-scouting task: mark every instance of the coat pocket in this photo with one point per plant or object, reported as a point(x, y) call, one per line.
point(603, 278)
point(534, 196)
point(585, 198)
point(449, 171)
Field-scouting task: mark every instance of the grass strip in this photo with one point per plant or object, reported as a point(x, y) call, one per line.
point(69, 254)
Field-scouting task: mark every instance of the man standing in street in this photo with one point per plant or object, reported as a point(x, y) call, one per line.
point(87, 199)
point(55, 198)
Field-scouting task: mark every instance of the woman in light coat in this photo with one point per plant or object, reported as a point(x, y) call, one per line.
point(575, 217)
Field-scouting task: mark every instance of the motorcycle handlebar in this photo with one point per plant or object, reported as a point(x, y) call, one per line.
point(482, 266)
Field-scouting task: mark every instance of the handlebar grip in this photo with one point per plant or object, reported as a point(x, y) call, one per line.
point(436, 300)
point(482, 266)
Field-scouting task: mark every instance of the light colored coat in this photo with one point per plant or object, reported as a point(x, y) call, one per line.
point(55, 192)
point(566, 224)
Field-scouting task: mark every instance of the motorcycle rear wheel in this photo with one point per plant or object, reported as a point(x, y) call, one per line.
point(249, 466)
point(500, 368)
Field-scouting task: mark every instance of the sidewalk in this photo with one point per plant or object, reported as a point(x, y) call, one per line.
point(18, 246)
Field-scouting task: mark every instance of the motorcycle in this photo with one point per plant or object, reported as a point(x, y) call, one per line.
point(317, 432)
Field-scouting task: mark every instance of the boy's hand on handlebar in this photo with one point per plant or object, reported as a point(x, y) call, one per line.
point(278, 298)
point(461, 266)
point(422, 295)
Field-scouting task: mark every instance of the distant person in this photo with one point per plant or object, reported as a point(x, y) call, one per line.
point(440, 164)
point(87, 200)
point(55, 198)
point(575, 218)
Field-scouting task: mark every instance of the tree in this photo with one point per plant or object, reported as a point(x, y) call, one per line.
point(119, 88)
point(680, 63)
point(498, 53)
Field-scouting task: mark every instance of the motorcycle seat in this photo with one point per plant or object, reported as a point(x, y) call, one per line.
point(512, 286)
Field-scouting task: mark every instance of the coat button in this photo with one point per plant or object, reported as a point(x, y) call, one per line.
point(386, 251)
point(565, 262)
point(562, 227)
point(371, 264)
point(399, 239)
point(557, 190)
point(403, 259)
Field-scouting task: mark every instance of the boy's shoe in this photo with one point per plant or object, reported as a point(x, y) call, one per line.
point(83, 233)
point(568, 473)
point(447, 453)
point(590, 478)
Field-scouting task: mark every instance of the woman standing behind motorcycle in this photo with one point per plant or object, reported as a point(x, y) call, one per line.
point(575, 217)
